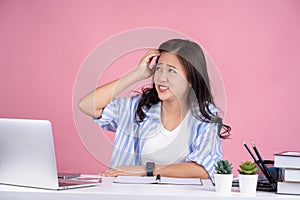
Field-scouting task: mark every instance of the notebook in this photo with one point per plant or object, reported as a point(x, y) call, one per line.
point(157, 180)
point(27, 156)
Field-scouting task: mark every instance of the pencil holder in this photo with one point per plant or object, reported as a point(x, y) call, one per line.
point(267, 180)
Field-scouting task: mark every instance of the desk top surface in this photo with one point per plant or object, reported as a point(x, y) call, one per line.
point(109, 190)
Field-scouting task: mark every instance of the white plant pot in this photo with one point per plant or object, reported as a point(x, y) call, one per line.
point(248, 183)
point(223, 183)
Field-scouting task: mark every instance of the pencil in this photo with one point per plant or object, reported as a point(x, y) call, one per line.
point(258, 163)
point(249, 151)
point(257, 152)
point(270, 177)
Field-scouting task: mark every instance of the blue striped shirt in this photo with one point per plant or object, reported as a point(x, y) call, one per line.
point(119, 116)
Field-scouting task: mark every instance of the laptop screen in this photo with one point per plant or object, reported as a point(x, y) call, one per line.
point(27, 153)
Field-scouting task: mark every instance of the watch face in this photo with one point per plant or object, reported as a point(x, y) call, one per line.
point(150, 165)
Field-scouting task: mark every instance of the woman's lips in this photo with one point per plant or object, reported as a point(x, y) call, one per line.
point(162, 88)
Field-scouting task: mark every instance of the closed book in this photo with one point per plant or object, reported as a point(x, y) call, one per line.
point(291, 175)
point(288, 188)
point(287, 159)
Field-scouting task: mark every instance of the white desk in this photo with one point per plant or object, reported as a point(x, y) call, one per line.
point(109, 191)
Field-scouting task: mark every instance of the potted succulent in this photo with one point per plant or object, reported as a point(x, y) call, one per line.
point(223, 177)
point(248, 177)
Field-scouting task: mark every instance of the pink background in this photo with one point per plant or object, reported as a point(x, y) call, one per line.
point(254, 43)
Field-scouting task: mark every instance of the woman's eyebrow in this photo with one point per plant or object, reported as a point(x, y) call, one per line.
point(171, 66)
point(168, 65)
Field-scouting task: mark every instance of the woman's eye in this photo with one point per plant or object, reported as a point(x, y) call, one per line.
point(158, 68)
point(172, 70)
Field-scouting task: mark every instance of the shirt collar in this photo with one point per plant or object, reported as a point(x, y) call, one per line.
point(154, 111)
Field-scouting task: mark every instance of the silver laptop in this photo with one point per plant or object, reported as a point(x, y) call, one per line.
point(27, 156)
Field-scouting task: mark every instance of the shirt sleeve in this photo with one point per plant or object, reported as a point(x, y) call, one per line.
point(118, 113)
point(206, 147)
point(110, 116)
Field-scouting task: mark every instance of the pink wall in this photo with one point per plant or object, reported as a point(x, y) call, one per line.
point(255, 45)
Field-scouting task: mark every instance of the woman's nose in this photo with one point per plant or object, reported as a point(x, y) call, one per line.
point(162, 76)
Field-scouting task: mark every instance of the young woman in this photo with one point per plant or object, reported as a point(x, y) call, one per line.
point(172, 128)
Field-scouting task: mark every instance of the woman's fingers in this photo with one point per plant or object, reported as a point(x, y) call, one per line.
point(113, 172)
point(144, 70)
point(149, 56)
point(125, 171)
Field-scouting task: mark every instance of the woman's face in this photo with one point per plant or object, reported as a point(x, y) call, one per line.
point(170, 78)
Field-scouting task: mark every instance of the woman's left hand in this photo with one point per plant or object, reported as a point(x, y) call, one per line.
point(125, 171)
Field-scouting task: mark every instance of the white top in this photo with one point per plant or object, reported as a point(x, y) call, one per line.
point(167, 147)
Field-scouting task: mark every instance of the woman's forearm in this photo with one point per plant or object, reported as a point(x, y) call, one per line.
point(182, 170)
point(93, 103)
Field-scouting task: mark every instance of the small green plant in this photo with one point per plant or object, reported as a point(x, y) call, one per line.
point(223, 167)
point(248, 168)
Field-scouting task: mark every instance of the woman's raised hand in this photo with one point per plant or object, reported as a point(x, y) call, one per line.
point(144, 69)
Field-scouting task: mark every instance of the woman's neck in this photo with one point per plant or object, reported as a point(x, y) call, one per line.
point(175, 107)
point(173, 113)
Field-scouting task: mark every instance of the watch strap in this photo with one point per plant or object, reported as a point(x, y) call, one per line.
point(149, 173)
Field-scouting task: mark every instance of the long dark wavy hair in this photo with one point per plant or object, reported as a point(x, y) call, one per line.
point(192, 58)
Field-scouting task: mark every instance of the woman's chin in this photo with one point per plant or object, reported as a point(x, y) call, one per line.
point(163, 97)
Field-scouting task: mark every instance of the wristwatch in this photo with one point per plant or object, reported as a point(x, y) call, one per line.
point(150, 167)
